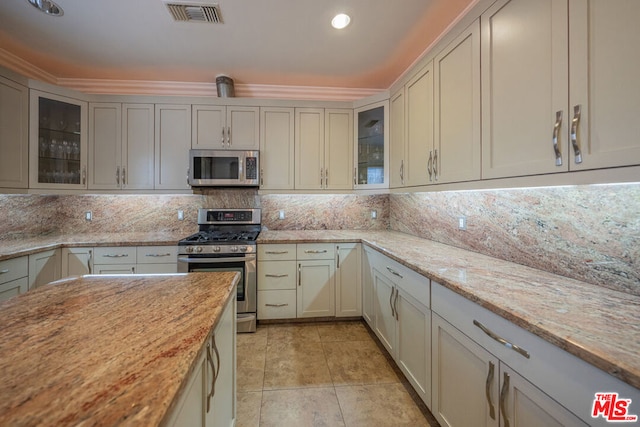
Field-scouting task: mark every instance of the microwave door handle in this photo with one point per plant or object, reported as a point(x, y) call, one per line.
point(241, 168)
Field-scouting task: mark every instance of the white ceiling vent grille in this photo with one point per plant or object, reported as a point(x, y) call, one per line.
point(195, 12)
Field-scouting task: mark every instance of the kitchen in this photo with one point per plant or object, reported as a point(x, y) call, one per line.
point(553, 222)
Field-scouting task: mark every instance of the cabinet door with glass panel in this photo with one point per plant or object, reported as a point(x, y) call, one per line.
point(371, 149)
point(58, 141)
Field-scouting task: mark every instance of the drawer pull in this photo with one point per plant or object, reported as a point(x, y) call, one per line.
point(115, 255)
point(6, 270)
point(323, 251)
point(276, 305)
point(501, 340)
point(276, 252)
point(487, 390)
point(277, 276)
point(395, 273)
point(158, 255)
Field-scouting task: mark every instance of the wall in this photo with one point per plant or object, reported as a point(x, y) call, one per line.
point(591, 233)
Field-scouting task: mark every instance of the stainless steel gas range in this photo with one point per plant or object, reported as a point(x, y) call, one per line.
point(226, 241)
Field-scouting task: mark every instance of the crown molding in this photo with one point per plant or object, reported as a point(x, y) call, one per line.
point(24, 68)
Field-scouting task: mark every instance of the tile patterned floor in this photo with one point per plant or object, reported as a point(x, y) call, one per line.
point(321, 374)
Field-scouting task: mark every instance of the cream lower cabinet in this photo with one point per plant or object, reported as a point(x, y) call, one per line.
point(367, 286)
point(14, 134)
point(315, 292)
point(277, 148)
point(525, 382)
point(209, 400)
point(115, 260)
point(402, 320)
point(277, 280)
point(44, 267)
point(156, 259)
point(77, 261)
point(14, 277)
point(348, 275)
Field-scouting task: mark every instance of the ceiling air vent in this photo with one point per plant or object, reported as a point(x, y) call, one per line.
point(195, 12)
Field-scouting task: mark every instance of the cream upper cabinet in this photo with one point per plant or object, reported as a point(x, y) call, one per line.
point(457, 109)
point(14, 134)
point(371, 147)
point(524, 88)
point(225, 127)
point(396, 139)
point(419, 153)
point(105, 145)
point(277, 148)
point(604, 96)
point(138, 145)
point(57, 141)
point(323, 148)
point(172, 143)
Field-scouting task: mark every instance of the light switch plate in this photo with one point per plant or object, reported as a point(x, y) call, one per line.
point(180, 215)
point(88, 216)
point(462, 222)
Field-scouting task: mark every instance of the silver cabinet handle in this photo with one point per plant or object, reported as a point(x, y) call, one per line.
point(574, 134)
point(222, 141)
point(402, 171)
point(210, 361)
point(503, 400)
point(299, 274)
point(395, 304)
point(556, 132)
point(277, 276)
point(487, 390)
point(261, 176)
point(323, 251)
point(188, 171)
point(429, 164)
point(395, 273)
point(115, 255)
point(124, 176)
point(276, 252)
point(118, 175)
point(321, 176)
point(355, 176)
point(217, 373)
point(435, 164)
point(393, 311)
point(326, 178)
point(338, 254)
point(276, 305)
point(89, 261)
point(158, 255)
point(84, 175)
point(501, 340)
point(6, 270)
point(133, 270)
point(228, 136)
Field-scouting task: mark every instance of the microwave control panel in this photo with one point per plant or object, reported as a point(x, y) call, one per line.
point(251, 168)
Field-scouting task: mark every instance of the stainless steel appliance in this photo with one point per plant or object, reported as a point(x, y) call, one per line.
point(226, 241)
point(210, 168)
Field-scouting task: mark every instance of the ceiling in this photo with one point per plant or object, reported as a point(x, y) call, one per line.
point(260, 42)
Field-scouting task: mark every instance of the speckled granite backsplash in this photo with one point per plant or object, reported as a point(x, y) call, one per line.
point(590, 233)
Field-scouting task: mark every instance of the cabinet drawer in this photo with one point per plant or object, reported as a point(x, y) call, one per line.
point(156, 254)
point(277, 304)
point(277, 252)
point(115, 255)
point(408, 280)
point(13, 288)
point(115, 269)
point(276, 275)
point(12, 269)
point(307, 251)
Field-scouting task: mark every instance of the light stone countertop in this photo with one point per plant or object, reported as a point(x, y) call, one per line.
point(596, 324)
point(105, 350)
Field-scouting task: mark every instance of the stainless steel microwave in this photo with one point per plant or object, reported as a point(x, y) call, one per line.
point(227, 168)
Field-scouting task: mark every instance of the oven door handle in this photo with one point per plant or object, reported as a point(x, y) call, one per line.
point(215, 260)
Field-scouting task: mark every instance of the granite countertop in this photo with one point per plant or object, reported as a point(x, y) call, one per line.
point(596, 324)
point(105, 350)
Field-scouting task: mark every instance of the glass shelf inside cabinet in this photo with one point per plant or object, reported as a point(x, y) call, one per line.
point(371, 146)
point(58, 142)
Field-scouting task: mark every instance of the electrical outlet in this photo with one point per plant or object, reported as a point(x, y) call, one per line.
point(88, 216)
point(462, 223)
point(374, 214)
point(180, 215)
point(281, 214)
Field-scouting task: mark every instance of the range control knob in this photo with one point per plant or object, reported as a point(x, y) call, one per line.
point(216, 249)
point(198, 248)
point(243, 249)
point(234, 249)
point(189, 249)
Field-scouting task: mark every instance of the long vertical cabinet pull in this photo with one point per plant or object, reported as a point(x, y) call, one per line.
point(556, 132)
point(229, 137)
point(503, 400)
point(402, 171)
point(574, 134)
point(118, 175)
point(393, 311)
point(487, 390)
point(299, 274)
point(210, 362)
point(89, 261)
point(429, 164)
point(435, 165)
point(338, 253)
point(124, 176)
point(222, 141)
point(217, 372)
point(355, 176)
point(326, 178)
point(395, 305)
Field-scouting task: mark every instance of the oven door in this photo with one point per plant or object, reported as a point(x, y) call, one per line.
point(245, 264)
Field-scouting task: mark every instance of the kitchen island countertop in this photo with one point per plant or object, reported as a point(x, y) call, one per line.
point(105, 350)
point(596, 324)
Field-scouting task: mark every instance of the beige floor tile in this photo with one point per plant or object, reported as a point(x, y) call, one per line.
point(381, 405)
point(295, 364)
point(257, 337)
point(248, 409)
point(293, 332)
point(300, 408)
point(343, 331)
point(250, 360)
point(358, 362)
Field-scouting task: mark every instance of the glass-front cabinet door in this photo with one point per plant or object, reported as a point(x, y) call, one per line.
point(372, 151)
point(58, 141)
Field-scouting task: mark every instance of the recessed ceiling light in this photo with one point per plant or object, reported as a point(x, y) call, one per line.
point(47, 6)
point(339, 21)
